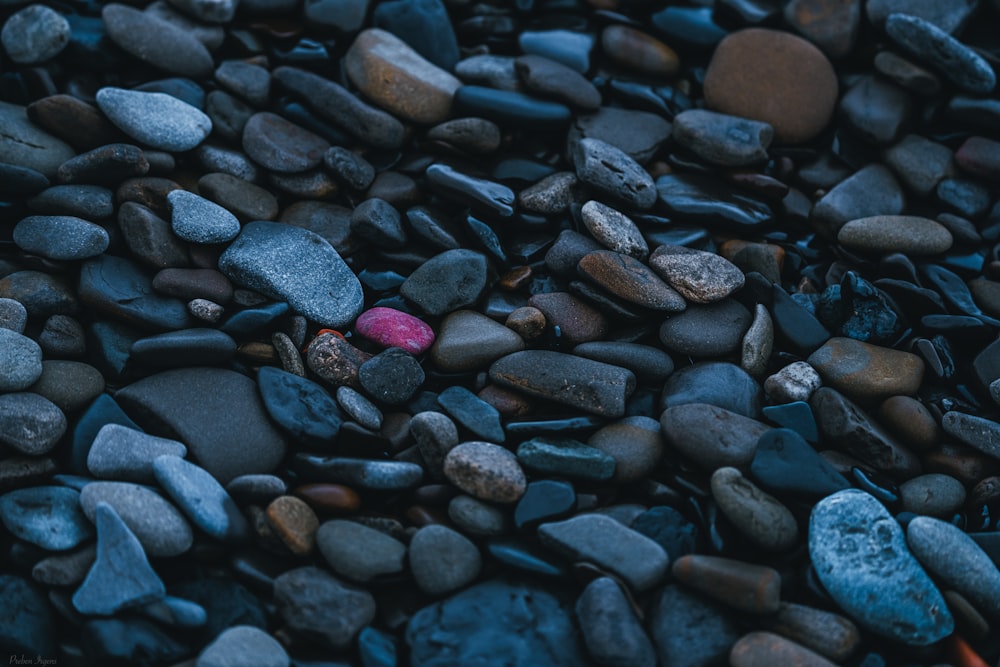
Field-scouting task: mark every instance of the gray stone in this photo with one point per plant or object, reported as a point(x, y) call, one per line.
point(956, 560)
point(707, 330)
point(70, 385)
point(613, 173)
point(359, 408)
point(717, 383)
point(476, 517)
point(601, 540)
point(198, 220)
point(20, 361)
point(13, 315)
point(121, 576)
point(46, 516)
point(443, 560)
point(550, 195)
point(876, 109)
point(35, 34)
point(908, 234)
point(920, 163)
point(495, 71)
point(209, 11)
point(710, 436)
point(125, 454)
point(638, 133)
point(243, 645)
point(975, 431)
point(24, 144)
point(468, 340)
point(371, 475)
point(446, 282)
point(795, 382)
point(292, 264)
point(872, 190)
point(729, 141)
point(201, 498)
point(317, 606)
point(359, 552)
point(614, 230)
point(758, 515)
point(860, 556)
point(948, 15)
point(565, 457)
point(690, 630)
point(156, 523)
point(755, 349)
point(155, 119)
point(29, 423)
point(699, 276)
point(487, 471)
point(157, 42)
point(611, 630)
point(176, 612)
point(933, 494)
point(636, 445)
point(933, 46)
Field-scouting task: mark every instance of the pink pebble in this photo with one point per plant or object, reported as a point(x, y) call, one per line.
point(393, 328)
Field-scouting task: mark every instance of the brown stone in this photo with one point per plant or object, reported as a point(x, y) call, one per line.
point(630, 280)
point(774, 77)
point(578, 321)
point(962, 462)
point(507, 402)
point(335, 360)
point(986, 294)
point(294, 522)
point(398, 79)
point(907, 234)
point(832, 25)
point(81, 125)
point(527, 322)
point(753, 589)
point(637, 50)
point(150, 191)
point(910, 421)
point(765, 649)
point(329, 498)
point(865, 372)
point(516, 278)
point(398, 189)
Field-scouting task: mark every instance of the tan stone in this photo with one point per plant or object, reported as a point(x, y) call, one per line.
point(907, 234)
point(865, 372)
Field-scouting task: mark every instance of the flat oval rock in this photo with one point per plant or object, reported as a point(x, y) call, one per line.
point(217, 413)
point(155, 119)
point(159, 526)
point(198, 220)
point(156, 41)
point(867, 372)
point(729, 141)
point(201, 498)
point(60, 237)
point(589, 385)
point(614, 173)
point(300, 406)
point(786, 464)
point(469, 340)
point(699, 276)
point(24, 144)
point(121, 289)
point(46, 516)
point(889, 594)
point(282, 146)
point(630, 280)
point(717, 383)
point(30, 423)
point(125, 454)
point(707, 330)
point(292, 264)
point(907, 234)
point(711, 436)
point(446, 282)
point(928, 43)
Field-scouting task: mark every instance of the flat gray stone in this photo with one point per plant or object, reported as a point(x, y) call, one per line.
point(973, 430)
point(156, 41)
point(359, 552)
point(30, 423)
point(565, 457)
point(718, 138)
point(601, 540)
point(125, 454)
point(613, 173)
point(155, 119)
point(35, 34)
point(611, 630)
point(121, 577)
point(317, 606)
point(20, 361)
point(711, 436)
point(199, 220)
point(46, 516)
point(201, 498)
point(860, 556)
point(451, 280)
point(614, 230)
point(243, 645)
point(292, 264)
point(930, 44)
point(443, 560)
point(24, 144)
point(13, 315)
point(158, 525)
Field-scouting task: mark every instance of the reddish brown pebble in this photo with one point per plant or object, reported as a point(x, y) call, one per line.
point(335, 360)
point(80, 124)
point(764, 649)
point(774, 77)
point(294, 522)
point(980, 157)
point(577, 320)
point(516, 278)
point(332, 498)
point(637, 50)
point(528, 322)
point(864, 372)
point(507, 402)
point(750, 588)
point(910, 421)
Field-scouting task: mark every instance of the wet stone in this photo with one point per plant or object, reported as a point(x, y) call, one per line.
point(468, 340)
point(891, 596)
point(155, 119)
point(975, 431)
point(46, 516)
point(442, 560)
point(577, 320)
point(722, 139)
point(475, 414)
point(300, 406)
point(704, 200)
point(544, 500)
point(292, 521)
point(785, 464)
point(638, 133)
point(282, 146)
point(487, 197)
point(485, 471)
point(649, 364)
point(630, 280)
point(613, 173)
point(20, 361)
point(552, 79)
point(119, 288)
point(361, 473)
point(392, 376)
point(867, 372)
point(122, 453)
point(565, 457)
point(201, 498)
point(870, 191)
point(711, 436)
point(446, 282)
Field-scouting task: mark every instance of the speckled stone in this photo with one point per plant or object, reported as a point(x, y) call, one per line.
point(613, 229)
point(198, 220)
point(907, 234)
point(866, 372)
point(701, 277)
point(155, 119)
point(485, 471)
point(159, 526)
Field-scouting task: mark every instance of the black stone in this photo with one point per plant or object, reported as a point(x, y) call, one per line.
point(392, 376)
point(795, 324)
point(486, 197)
point(785, 464)
point(187, 347)
point(717, 383)
point(510, 108)
point(704, 200)
point(300, 406)
point(670, 529)
point(473, 413)
point(118, 288)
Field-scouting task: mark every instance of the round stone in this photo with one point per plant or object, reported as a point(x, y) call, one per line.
point(243, 645)
point(636, 445)
point(442, 560)
point(198, 220)
point(774, 77)
point(933, 494)
point(614, 230)
point(35, 34)
point(699, 276)
point(282, 146)
point(60, 237)
point(29, 423)
point(486, 471)
point(359, 552)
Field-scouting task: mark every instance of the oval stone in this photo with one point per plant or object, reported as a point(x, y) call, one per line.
point(866, 372)
point(389, 327)
point(60, 237)
point(711, 436)
point(486, 471)
point(907, 234)
point(155, 119)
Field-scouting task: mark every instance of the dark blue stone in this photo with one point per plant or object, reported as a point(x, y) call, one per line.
point(121, 289)
point(717, 383)
point(130, 642)
point(300, 406)
point(693, 27)
point(793, 322)
point(525, 557)
point(511, 108)
point(670, 529)
point(185, 90)
point(305, 118)
point(377, 648)
point(797, 416)
point(187, 347)
point(575, 426)
point(955, 292)
point(565, 46)
point(473, 413)
point(487, 197)
point(914, 301)
point(104, 410)
point(786, 464)
point(251, 320)
point(226, 603)
point(27, 621)
point(424, 25)
point(705, 200)
point(110, 345)
point(877, 485)
point(866, 315)
point(544, 500)
point(487, 238)
point(380, 281)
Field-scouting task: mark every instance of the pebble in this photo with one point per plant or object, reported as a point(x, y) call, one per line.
point(424, 25)
point(122, 453)
point(717, 383)
point(485, 471)
point(910, 235)
point(703, 200)
point(772, 77)
point(199, 220)
point(578, 321)
point(292, 521)
point(121, 576)
point(349, 167)
point(282, 146)
point(201, 498)
point(157, 42)
point(446, 282)
point(614, 230)
point(628, 279)
point(870, 191)
point(477, 625)
point(640, 134)
point(758, 515)
point(751, 589)
point(613, 173)
point(699, 276)
point(216, 413)
point(891, 595)
point(473, 413)
point(786, 464)
point(636, 445)
point(46, 516)
point(365, 474)
point(359, 552)
point(957, 561)
point(67, 569)
point(157, 524)
point(910, 421)
point(359, 408)
point(707, 330)
point(26, 145)
point(639, 51)
point(933, 494)
point(757, 343)
point(549, 78)
point(588, 385)
point(649, 364)
point(20, 361)
point(928, 43)
point(392, 376)
point(921, 164)
point(866, 372)
point(317, 606)
point(638, 560)
point(243, 645)
point(474, 135)
point(831, 635)
point(376, 221)
point(795, 382)
point(491, 199)
point(420, 91)
point(612, 631)
point(722, 139)
point(690, 630)
point(468, 340)
point(300, 406)
point(877, 109)
point(442, 560)
point(757, 649)
point(29, 625)
point(978, 432)
point(35, 34)
point(121, 289)
point(29, 423)
point(710, 436)
point(295, 265)
point(155, 119)
point(565, 457)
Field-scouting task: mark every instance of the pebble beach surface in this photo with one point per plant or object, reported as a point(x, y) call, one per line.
point(611, 333)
